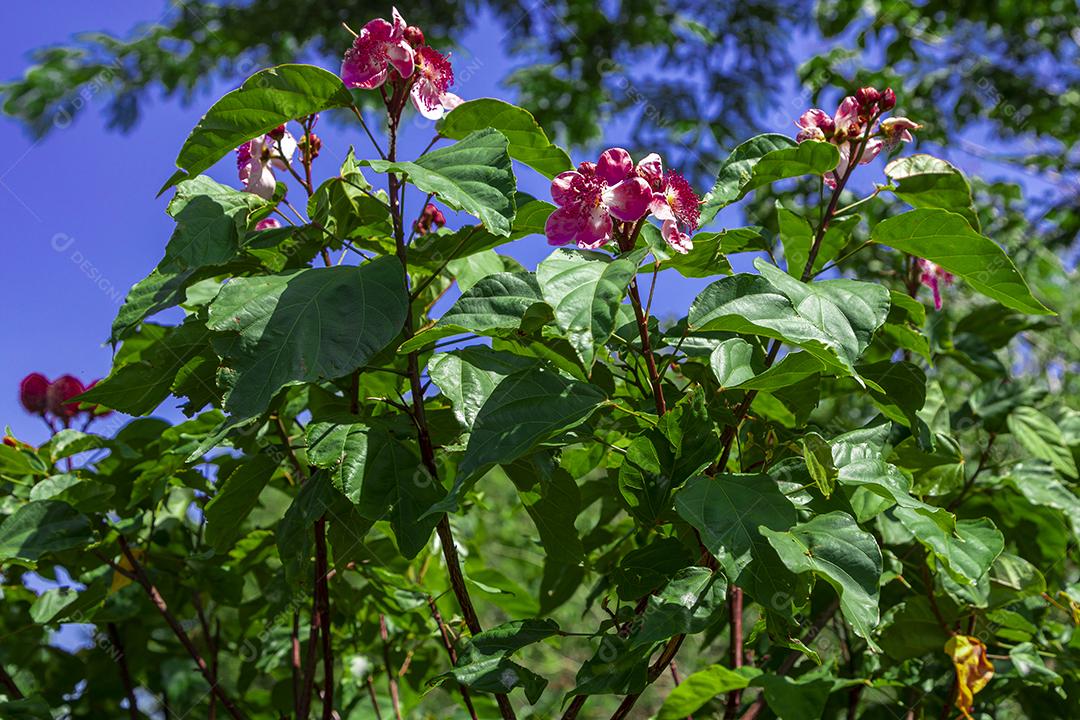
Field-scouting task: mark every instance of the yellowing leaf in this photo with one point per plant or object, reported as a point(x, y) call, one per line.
point(119, 580)
point(973, 670)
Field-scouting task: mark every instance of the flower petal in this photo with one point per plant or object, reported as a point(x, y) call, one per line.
point(563, 190)
point(628, 200)
point(651, 168)
point(679, 241)
point(660, 208)
point(596, 230)
point(400, 57)
point(614, 165)
point(562, 225)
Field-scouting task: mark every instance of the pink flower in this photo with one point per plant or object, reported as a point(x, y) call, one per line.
point(429, 218)
point(430, 91)
point(673, 202)
point(931, 275)
point(379, 46)
point(589, 197)
point(267, 224)
point(897, 130)
point(815, 124)
point(256, 159)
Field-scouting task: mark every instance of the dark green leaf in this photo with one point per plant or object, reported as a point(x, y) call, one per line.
point(528, 142)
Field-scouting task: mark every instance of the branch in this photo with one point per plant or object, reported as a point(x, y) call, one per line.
point(141, 578)
point(391, 676)
point(125, 675)
point(451, 653)
point(322, 595)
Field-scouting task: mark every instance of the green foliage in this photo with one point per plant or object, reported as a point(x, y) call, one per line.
point(816, 478)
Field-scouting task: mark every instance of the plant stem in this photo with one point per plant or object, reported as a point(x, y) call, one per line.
point(451, 653)
point(9, 685)
point(735, 615)
point(391, 676)
point(322, 595)
point(125, 674)
point(139, 574)
point(374, 700)
point(427, 451)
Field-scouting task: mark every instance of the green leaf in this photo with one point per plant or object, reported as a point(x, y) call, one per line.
point(210, 221)
point(966, 554)
point(762, 160)
point(528, 143)
point(730, 362)
point(819, 462)
point(497, 674)
point(791, 369)
point(265, 100)
point(647, 568)
point(1040, 487)
point(835, 548)
point(289, 328)
point(834, 320)
point(585, 288)
point(727, 511)
point(234, 501)
point(947, 239)
point(148, 375)
point(156, 292)
point(1042, 437)
point(801, 698)
point(474, 175)
point(39, 528)
point(690, 603)
point(617, 667)
point(709, 256)
point(924, 181)
point(797, 236)
point(512, 636)
point(495, 305)
point(467, 377)
point(701, 687)
point(526, 408)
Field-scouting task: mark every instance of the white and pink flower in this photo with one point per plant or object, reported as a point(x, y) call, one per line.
point(256, 160)
point(674, 203)
point(589, 197)
point(381, 45)
point(430, 92)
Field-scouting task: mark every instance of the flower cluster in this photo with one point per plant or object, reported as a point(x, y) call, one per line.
point(932, 275)
point(52, 400)
point(256, 160)
point(429, 218)
point(852, 129)
point(601, 198)
point(392, 51)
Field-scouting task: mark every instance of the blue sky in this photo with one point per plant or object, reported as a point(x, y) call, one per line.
point(81, 223)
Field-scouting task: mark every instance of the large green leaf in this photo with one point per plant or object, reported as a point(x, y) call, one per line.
point(924, 181)
point(42, 527)
point(528, 142)
point(210, 221)
point(234, 501)
point(474, 175)
point(156, 292)
point(468, 377)
point(967, 553)
point(834, 320)
point(485, 663)
point(147, 376)
point(762, 160)
point(526, 408)
point(701, 687)
point(265, 100)
point(691, 602)
point(585, 288)
point(495, 305)
point(835, 548)
point(947, 239)
point(1042, 437)
point(727, 511)
point(1041, 487)
point(301, 326)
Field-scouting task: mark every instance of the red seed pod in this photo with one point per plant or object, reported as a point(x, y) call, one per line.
point(888, 99)
point(33, 391)
point(61, 390)
point(414, 36)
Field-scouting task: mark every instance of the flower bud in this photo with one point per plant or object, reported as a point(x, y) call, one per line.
point(867, 96)
point(316, 145)
point(414, 36)
point(267, 224)
point(431, 216)
point(888, 99)
point(278, 132)
point(33, 390)
point(60, 391)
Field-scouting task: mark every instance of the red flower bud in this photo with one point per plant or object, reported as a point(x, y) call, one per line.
point(60, 391)
point(278, 132)
point(414, 36)
point(33, 390)
point(316, 146)
point(10, 441)
point(867, 96)
point(888, 99)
